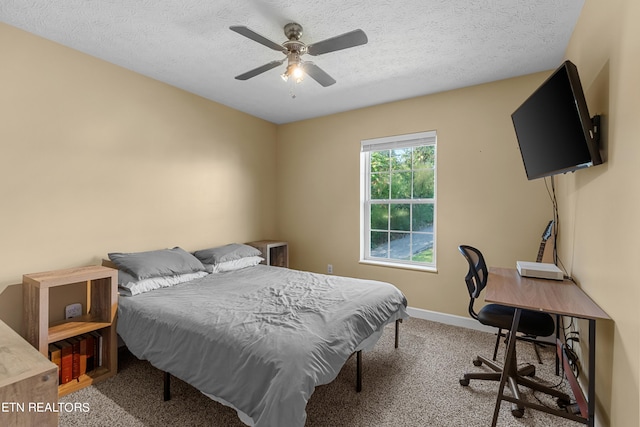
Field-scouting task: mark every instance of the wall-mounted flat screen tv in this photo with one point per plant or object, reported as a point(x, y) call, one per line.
point(555, 132)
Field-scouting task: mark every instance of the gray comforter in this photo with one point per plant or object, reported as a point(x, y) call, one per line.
point(259, 339)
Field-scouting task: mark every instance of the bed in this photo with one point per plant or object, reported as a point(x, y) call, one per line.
point(254, 337)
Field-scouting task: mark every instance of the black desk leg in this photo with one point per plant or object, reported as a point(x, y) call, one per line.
point(591, 403)
point(557, 338)
point(508, 359)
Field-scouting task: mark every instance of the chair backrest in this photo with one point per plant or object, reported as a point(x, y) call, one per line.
point(476, 278)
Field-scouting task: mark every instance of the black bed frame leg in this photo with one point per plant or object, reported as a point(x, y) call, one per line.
point(398, 332)
point(359, 360)
point(359, 371)
point(167, 386)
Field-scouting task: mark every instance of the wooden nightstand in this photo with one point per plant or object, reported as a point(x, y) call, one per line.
point(102, 305)
point(274, 252)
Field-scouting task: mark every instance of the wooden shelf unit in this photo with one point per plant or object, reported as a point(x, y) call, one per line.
point(102, 305)
point(274, 252)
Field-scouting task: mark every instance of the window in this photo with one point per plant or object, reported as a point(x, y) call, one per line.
point(398, 200)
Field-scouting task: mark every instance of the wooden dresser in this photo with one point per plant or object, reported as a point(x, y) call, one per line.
point(28, 383)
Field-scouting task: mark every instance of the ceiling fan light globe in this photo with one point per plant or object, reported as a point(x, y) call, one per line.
point(297, 72)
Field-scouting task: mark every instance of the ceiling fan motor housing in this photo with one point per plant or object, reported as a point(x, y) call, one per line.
point(293, 31)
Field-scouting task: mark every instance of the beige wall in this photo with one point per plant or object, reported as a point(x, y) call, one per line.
point(95, 158)
point(600, 207)
point(484, 198)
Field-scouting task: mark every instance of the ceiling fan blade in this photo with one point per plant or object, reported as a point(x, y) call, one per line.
point(343, 41)
point(318, 74)
point(257, 37)
point(259, 70)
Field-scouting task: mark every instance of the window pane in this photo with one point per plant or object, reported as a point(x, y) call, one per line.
point(379, 217)
point(400, 217)
point(423, 184)
point(380, 185)
point(401, 185)
point(399, 199)
point(423, 217)
point(380, 161)
point(400, 246)
point(379, 244)
point(422, 247)
point(424, 157)
point(401, 159)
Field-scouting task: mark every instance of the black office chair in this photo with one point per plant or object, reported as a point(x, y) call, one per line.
point(532, 324)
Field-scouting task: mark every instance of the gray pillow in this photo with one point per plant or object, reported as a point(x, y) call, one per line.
point(230, 252)
point(124, 278)
point(164, 262)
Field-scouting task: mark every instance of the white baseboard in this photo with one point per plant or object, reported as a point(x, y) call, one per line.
point(463, 322)
point(449, 319)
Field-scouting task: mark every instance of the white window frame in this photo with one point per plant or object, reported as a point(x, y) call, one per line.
point(389, 143)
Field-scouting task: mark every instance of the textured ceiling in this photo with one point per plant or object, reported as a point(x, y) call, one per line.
point(416, 47)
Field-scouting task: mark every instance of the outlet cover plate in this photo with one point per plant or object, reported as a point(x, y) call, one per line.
point(73, 310)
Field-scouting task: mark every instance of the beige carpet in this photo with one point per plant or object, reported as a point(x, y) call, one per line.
point(414, 385)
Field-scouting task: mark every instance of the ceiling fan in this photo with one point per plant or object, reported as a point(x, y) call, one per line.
point(294, 49)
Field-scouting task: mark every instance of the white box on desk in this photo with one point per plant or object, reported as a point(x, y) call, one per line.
point(539, 270)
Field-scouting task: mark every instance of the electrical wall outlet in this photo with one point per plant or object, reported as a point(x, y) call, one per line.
point(73, 310)
point(329, 269)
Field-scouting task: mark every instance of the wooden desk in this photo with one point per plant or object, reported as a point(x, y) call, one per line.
point(506, 287)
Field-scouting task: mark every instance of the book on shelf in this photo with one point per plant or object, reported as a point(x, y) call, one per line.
point(83, 354)
point(66, 361)
point(98, 348)
point(75, 344)
point(55, 355)
point(91, 351)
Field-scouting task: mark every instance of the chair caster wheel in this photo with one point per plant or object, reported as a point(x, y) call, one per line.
point(518, 413)
point(464, 382)
point(533, 372)
point(477, 362)
point(562, 403)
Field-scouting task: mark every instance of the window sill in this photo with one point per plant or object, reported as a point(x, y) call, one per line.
point(399, 265)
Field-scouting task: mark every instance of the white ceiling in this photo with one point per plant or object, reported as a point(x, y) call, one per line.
point(416, 47)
